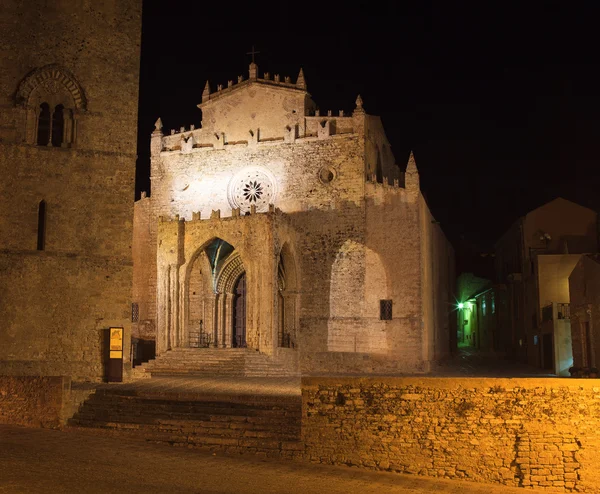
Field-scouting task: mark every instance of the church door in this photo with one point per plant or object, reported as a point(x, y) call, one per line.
point(239, 313)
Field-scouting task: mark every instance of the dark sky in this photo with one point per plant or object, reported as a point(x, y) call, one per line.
point(499, 100)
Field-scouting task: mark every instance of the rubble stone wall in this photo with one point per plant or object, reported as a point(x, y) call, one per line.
point(32, 401)
point(535, 433)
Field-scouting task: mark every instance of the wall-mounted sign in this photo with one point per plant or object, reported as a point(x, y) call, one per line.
point(116, 343)
point(114, 354)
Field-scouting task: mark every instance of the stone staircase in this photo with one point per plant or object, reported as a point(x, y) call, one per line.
point(228, 423)
point(223, 362)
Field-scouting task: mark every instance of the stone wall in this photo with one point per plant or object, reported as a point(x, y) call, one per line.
point(33, 401)
point(538, 433)
point(57, 295)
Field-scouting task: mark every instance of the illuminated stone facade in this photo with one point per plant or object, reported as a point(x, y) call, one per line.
point(68, 128)
point(342, 264)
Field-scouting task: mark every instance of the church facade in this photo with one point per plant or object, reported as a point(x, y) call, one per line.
point(282, 230)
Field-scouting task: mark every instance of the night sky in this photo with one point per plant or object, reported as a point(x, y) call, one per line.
point(500, 105)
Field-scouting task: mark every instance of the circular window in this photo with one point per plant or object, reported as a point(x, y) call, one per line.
point(252, 186)
point(327, 174)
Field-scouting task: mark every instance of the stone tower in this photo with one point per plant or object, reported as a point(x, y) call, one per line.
point(68, 127)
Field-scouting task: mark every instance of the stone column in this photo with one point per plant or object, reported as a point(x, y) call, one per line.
point(217, 319)
point(67, 125)
point(174, 336)
point(162, 312)
point(228, 328)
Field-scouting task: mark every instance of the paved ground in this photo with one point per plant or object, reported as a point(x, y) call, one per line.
point(47, 461)
point(215, 386)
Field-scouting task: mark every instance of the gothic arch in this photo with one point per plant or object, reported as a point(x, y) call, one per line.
point(287, 298)
point(52, 78)
point(229, 274)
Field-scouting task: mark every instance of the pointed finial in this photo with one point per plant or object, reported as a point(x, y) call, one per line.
point(158, 125)
point(411, 176)
point(411, 166)
point(359, 110)
point(206, 92)
point(301, 82)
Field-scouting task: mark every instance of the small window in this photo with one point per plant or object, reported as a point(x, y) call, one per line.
point(58, 126)
point(493, 303)
point(41, 232)
point(135, 312)
point(483, 306)
point(385, 310)
point(43, 130)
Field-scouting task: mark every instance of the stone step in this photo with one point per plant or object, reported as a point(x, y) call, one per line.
point(231, 362)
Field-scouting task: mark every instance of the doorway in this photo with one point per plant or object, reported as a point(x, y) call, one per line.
point(239, 313)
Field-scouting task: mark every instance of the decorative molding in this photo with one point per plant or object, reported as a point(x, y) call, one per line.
point(51, 78)
point(229, 274)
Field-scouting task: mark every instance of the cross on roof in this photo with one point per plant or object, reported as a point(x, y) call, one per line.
point(252, 53)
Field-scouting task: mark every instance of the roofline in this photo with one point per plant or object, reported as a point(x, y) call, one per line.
point(248, 82)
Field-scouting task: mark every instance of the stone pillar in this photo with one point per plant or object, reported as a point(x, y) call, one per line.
point(184, 310)
point(67, 126)
point(217, 319)
point(162, 313)
point(228, 328)
point(174, 336)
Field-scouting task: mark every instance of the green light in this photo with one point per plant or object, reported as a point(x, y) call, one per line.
point(461, 305)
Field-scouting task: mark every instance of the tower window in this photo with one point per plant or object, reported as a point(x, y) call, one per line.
point(41, 232)
point(135, 312)
point(43, 130)
point(58, 126)
point(385, 310)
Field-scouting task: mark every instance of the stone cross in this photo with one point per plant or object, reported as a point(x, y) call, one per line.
point(252, 53)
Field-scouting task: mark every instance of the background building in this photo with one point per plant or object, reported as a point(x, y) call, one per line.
point(534, 259)
point(584, 288)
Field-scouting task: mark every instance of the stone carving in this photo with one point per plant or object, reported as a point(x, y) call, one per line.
point(253, 186)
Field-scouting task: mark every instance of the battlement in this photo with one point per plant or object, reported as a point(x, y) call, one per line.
point(197, 140)
point(216, 215)
point(233, 85)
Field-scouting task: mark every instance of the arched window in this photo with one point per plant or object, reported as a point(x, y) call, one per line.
point(53, 101)
point(41, 232)
point(43, 129)
point(58, 126)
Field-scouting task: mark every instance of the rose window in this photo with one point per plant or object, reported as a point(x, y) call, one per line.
point(252, 191)
point(252, 187)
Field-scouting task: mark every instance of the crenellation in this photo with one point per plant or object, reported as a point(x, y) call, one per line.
point(215, 214)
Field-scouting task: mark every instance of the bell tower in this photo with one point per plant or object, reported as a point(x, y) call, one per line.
point(68, 131)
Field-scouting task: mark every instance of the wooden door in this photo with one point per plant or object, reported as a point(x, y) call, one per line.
point(239, 313)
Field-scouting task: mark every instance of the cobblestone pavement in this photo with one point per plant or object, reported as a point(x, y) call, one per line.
point(49, 461)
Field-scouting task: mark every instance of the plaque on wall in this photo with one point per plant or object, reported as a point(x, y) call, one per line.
point(113, 366)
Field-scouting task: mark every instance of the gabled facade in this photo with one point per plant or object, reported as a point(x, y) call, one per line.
point(278, 228)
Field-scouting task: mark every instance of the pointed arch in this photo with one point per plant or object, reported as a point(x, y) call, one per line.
point(229, 274)
point(287, 298)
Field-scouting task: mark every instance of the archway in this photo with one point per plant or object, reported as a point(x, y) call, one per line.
point(287, 299)
point(211, 278)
